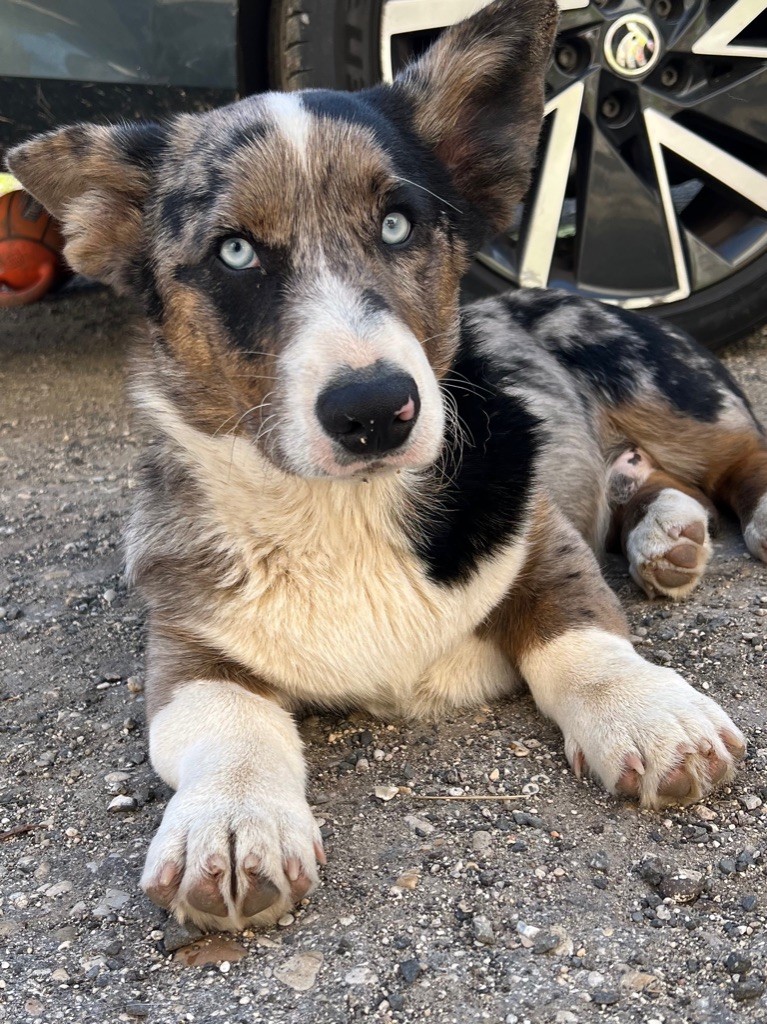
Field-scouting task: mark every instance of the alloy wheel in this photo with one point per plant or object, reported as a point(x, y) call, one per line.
point(651, 183)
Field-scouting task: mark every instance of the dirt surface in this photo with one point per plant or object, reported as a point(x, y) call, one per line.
point(560, 905)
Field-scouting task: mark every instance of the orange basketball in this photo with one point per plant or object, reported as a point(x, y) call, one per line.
point(30, 250)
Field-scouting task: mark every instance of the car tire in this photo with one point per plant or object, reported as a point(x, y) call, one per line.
point(335, 44)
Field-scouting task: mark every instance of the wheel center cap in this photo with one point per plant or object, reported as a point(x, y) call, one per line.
point(632, 45)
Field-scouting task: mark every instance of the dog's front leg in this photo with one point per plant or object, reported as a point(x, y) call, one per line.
point(639, 728)
point(238, 843)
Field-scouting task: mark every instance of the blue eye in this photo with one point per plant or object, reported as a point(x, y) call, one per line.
point(238, 254)
point(395, 228)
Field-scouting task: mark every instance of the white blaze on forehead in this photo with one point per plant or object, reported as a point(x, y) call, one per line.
point(291, 118)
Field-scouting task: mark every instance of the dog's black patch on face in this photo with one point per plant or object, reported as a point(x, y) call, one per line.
point(142, 143)
point(249, 303)
point(374, 301)
point(484, 493)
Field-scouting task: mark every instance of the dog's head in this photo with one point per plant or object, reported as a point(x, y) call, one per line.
point(299, 255)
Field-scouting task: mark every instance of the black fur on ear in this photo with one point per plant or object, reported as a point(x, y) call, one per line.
point(477, 101)
point(95, 180)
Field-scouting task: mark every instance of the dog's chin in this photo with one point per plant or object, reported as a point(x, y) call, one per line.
point(328, 464)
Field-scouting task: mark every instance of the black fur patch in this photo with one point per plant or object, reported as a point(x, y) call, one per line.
point(613, 350)
point(248, 302)
point(488, 475)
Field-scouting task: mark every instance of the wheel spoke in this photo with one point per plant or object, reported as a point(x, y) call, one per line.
point(713, 161)
point(546, 206)
point(400, 17)
point(626, 246)
point(718, 39)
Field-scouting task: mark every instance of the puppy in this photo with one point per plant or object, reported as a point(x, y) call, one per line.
point(359, 494)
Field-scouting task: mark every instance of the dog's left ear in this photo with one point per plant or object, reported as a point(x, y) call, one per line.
point(477, 101)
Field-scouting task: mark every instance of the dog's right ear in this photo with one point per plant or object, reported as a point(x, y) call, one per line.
point(476, 98)
point(95, 180)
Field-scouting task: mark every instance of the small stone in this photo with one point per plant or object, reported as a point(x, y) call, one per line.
point(360, 976)
point(682, 886)
point(225, 967)
point(178, 935)
point(748, 988)
point(409, 970)
point(116, 899)
point(121, 804)
point(748, 902)
point(545, 942)
point(483, 930)
point(386, 793)
point(420, 826)
point(727, 865)
point(704, 813)
point(565, 1017)
point(639, 981)
point(134, 684)
point(651, 870)
point(300, 971)
point(34, 1007)
point(409, 879)
point(600, 862)
point(605, 996)
point(58, 889)
point(362, 766)
point(737, 963)
point(751, 801)
point(481, 841)
point(113, 778)
point(109, 596)
point(286, 921)
point(136, 1009)
point(60, 975)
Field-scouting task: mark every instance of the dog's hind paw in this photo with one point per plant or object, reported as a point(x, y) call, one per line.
point(669, 548)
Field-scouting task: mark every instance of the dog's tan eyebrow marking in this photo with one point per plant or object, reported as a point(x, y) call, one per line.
point(423, 188)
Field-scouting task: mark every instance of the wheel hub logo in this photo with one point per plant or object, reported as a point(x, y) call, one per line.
point(632, 46)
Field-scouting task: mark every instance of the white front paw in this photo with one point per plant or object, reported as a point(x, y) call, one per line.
point(653, 737)
point(230, 860)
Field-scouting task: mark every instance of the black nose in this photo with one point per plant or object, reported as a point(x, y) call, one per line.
point(369, 414)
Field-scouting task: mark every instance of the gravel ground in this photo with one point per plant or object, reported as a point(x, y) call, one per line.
point(562, 905)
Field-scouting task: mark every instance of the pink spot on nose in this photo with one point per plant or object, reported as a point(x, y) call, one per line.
point(407, 412)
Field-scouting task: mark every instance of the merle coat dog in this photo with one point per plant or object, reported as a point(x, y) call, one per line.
point(360, 494)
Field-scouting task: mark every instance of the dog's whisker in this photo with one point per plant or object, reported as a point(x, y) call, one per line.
point(407, 181)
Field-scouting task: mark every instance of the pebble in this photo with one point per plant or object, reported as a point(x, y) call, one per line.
point(605, 996)
point(420, 826)
point(300, 971)
point(58, 889)
point(178, 935)
point(682, 886)
point(737, 963)
point(136, 1009)
point(408, 879)
point(286, 921)
point(110, 596)
point(122, 803)
point(565, 1017)
point(727, 865)
point(386, 793)
point(409, 970)
point(748, 988)
point(116, 899)
point(481, 841)
point(748, 902)
point(483, 930)
point(360, 976)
